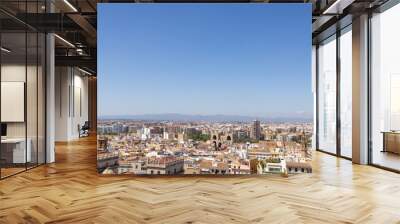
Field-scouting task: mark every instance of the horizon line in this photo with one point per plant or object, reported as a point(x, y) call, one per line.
point(215, 114)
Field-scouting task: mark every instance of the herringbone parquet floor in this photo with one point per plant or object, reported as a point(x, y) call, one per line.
point(70, 191)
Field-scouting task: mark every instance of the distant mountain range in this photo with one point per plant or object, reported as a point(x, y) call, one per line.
point(209, 118)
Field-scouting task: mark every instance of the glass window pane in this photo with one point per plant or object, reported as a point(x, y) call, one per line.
point(31, 96)
point(327, 95)
point(13, 86)
point(346, 93)
point(41, 98)
point(385, 88)
point(23, 90)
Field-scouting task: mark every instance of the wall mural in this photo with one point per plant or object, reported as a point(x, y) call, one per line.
point(212, 89)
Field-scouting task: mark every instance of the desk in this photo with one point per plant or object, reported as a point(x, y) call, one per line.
point(391, 141)
point(13, 150)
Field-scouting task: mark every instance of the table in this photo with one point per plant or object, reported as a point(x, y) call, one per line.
point(13, 150)
point(391, 141)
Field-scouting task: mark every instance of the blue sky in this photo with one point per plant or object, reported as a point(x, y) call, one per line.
point(233, 59)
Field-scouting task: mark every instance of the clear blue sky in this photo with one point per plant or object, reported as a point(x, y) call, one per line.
point(233, 59)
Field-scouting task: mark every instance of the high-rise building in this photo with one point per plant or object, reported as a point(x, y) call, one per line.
point(255, 132)
point(165, 135)
point(117, 128)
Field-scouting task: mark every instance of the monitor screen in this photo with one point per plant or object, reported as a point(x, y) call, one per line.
point(3, 129)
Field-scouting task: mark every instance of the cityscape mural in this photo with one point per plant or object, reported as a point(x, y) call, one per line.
point(204, 89)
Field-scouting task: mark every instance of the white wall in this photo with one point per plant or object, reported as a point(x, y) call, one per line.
point(80, 110)
point(17, 73)
point(62, 81)
point(71, 87)
point(10, 73)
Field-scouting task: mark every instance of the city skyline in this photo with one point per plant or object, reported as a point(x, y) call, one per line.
point(204, 148)
point(211, 117)
point(221, 59)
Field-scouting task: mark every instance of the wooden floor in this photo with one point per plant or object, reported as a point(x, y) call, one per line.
point(5, 172)
point(70, 191)
point(386, 159)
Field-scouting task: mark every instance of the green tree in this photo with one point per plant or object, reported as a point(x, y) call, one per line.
point(198, 137)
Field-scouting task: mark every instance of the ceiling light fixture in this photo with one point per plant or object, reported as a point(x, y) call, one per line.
point(5, 50)
point(70, 5)
point(64, 40)
point(337, 7)
point(84, 71)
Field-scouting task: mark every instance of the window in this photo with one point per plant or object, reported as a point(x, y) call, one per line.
point(385, 88)
point(346, 92)
point(327, 95)
point(22, 65)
